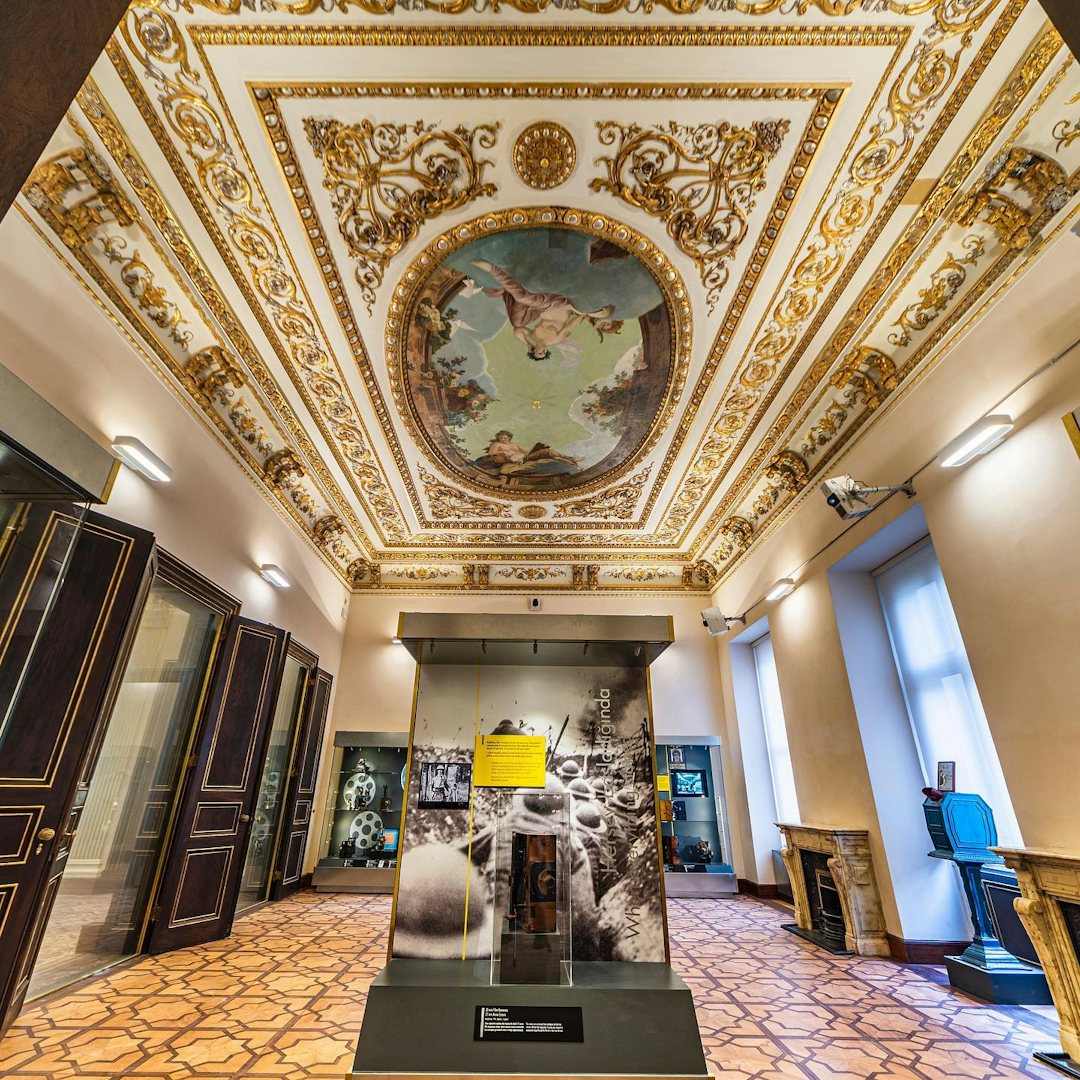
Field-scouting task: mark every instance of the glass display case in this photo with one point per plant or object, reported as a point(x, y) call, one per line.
point(362, 819)
point(692, 821)
point(531, 895)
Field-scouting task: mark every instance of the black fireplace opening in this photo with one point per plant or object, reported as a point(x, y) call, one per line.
point(827, 926)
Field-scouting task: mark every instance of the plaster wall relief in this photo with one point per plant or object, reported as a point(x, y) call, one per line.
point(594, 321)
point(75, 195)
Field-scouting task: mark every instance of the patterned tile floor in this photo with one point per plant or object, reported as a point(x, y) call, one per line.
point(282, 1000)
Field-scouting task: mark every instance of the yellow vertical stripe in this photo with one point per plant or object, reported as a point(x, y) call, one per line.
point(468, 860)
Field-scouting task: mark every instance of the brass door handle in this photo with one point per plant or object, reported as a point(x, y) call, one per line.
point(45, 835)
point(245, 818)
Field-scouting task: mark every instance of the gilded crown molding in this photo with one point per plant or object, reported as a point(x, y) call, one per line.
point(926, 75)
point(76, 195)
point(249, 238)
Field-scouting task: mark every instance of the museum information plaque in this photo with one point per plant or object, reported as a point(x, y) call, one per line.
point(515, 761)
point(528, 1023)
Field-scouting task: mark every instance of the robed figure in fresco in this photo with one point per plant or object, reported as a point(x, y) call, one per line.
point(543, 321)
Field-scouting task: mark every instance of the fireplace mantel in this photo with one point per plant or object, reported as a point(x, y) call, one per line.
point(1049, 907)
point(852, 869)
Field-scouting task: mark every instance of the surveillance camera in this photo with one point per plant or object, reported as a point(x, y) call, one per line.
point(846, 496)
point(534, 603)
point(716, 622)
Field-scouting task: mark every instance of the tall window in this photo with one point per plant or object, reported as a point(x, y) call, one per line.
point(943, 703)
point(776, 740)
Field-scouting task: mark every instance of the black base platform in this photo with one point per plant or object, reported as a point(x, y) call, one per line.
point(637, 1020)
point(815, 937)
point(1061, 1062)
point(1015, 987)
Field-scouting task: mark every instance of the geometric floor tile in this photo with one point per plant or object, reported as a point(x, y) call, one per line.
point(282, 999)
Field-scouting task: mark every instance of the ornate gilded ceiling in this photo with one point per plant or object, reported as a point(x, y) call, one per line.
point(571, 295)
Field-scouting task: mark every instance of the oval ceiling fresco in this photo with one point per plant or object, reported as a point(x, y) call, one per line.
point(538, 359)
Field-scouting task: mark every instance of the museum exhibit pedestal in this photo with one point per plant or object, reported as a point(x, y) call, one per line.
point(712, 883)
point(637, 1020)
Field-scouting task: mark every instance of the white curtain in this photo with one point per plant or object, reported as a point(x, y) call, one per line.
point(943, 703)
point(776, 740)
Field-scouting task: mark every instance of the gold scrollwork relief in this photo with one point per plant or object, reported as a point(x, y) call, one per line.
point(1020, 191)
point(530, 573)
point(945, 282)
point(641, 574)
point(616, 503)
point(701, 182)
point(386, 180)
point(736, 534)
point(1066, 132)
point(445, 501)
point(869, 373)
point(949, 14)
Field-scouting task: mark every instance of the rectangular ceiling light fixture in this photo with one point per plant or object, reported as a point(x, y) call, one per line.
point(138, 456)
point(784, 587)
point(274, 574)
point(978, 439)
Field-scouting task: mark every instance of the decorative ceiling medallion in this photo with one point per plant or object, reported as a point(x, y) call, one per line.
point(532, 511)
point(701, 182)
point(386, 180)
point(544, 155)
point(572, 310)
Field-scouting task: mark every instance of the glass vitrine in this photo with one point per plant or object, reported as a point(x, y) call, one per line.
point(693, 830)
point(362, 818)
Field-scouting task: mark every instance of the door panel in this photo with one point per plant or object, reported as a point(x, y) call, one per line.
point(51, 725)
point(202, 874)
point(300, 796)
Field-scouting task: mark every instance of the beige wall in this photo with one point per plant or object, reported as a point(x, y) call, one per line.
point(54, 338)
point(1006, 532)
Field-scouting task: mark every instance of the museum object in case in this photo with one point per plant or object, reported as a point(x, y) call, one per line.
point(362, 819)
point(531, 895)
point(692, 821)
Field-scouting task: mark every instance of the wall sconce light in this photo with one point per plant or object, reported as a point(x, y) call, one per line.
point(978, 439)
point(782, 588)
point(395, 640)
point(274, 574)
point(138, 456)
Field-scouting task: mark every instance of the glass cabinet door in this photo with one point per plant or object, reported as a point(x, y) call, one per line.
point(266, 820)
point(103, 900)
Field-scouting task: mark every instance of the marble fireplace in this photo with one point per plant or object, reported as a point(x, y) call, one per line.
point(837, 904)
point(1049, 908)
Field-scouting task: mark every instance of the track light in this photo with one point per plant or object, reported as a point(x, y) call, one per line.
point(978, 439)
point(274, 574)
point(138, 456)
point(784, 587)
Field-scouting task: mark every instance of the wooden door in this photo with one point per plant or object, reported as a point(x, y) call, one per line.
point(198, 890)
point(300, 795)
point(51, 725)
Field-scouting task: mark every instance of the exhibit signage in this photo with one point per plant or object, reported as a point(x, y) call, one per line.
point(514, 761)
point(528, 1023)
point(663, 783)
